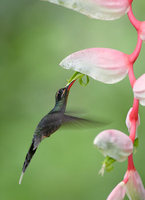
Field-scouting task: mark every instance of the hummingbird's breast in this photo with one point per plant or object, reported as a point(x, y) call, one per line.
point(49, 124)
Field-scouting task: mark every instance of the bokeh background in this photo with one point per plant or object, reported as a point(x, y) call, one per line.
point(34, 37)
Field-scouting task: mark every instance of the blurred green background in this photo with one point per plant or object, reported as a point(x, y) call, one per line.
point(34, 37)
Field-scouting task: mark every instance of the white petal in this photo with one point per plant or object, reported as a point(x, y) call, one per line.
point(98, 9)
point(103, 64)
point(115, 144)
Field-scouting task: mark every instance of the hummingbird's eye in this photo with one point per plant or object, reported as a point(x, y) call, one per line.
point(59, 94)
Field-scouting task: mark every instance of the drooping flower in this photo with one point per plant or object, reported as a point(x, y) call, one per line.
point(98, 9)
point(115, 144)
point(118, 193)
point(103, 64)
point(128, 121)
point(139, 89)
point(134, 187)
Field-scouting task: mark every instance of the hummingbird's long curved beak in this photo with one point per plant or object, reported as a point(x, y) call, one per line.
point(69, 86)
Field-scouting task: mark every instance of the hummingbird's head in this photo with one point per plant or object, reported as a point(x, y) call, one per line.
point(62, 93)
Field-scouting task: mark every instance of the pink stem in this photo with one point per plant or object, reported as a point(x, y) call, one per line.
point(132, 19)
point(131, 76)
point(134, 113)
point(130, 167)
point(133, 130)
point(136, 52)
point(131, 163)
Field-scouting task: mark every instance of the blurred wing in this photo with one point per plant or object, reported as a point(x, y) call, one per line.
point(77, 122)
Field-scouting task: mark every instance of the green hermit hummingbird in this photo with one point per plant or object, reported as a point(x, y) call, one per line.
point(52, 122)
point(49, 123)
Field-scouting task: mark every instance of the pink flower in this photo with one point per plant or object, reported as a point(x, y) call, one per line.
point(115, 144)
point(99, 9)
point(128, 121)
point(103, 64)
point(142, 30)
point(134, 187)
point(139, 89)
point(118, 193)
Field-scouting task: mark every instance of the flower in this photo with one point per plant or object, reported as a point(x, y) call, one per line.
point(128, 121)
point(118, 193)
point(115, 144)
point(142, 30)
point(98, 9)
point(103, 64)
point(134, 186)
point(139, 89)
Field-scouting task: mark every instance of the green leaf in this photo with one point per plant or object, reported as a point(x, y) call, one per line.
point(107, 165)
point(82, 82)
point(109, 168)
point(136, 142)
point(75, 76)
point(79, 76)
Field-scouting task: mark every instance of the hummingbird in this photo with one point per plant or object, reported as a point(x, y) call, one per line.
point(52, 121)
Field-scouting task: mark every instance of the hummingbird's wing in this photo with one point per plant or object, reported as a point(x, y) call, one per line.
point(78, 122)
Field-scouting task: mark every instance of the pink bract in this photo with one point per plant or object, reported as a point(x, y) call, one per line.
point(118, 193)
point(103, 64)
point(139, 89)
point(128, 121)
point(98, 9)
point(134, 187)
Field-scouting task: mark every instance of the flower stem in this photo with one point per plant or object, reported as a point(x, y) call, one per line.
point(137, 50)
point(131, 76)
point(134, 113)
point(133, 130)
point(131, 163)
point(132, 19)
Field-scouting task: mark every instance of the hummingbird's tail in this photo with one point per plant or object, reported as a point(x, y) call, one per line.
point(28, 158)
